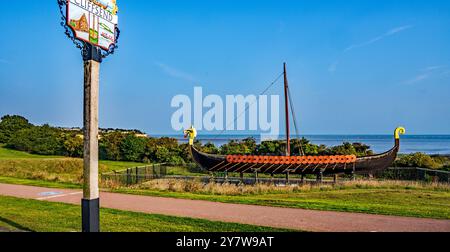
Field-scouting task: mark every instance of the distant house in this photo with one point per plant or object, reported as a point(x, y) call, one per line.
point(136, 133)
point(142, 135)
point(70, 129)
point(80, 24)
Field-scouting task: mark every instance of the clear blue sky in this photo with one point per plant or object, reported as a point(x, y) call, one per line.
point(355, 67)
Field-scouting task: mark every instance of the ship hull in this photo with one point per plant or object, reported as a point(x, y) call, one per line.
point(362, 165)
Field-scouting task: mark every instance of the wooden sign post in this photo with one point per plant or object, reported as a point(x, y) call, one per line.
point(91, 196)
point(92, 26)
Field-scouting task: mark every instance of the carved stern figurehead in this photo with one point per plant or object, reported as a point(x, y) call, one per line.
point(399, 131)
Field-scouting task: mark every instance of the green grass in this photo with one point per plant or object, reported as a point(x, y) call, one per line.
point(183, 171)
point(23, 165)
point(38, 183)
point(119, 165)
point(39, 216)
point(13, 154)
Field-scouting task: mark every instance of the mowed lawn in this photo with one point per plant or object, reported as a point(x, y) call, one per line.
point(38, 216)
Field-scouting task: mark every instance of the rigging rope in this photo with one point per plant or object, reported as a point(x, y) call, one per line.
point(249, 106)
point(294, 118)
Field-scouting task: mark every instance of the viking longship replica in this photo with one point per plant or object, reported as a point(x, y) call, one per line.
point(287, 164)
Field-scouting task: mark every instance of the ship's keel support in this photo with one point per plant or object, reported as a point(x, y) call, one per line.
point(320, 177)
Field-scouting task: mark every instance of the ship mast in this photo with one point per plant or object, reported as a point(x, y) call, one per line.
point(286, 100)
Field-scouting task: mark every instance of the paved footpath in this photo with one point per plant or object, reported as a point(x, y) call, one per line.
point(307, 220)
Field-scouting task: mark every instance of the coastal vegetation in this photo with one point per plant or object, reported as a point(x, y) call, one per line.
point(27, 215)
point(423, 161)
point(17, 133)
point(430, 200)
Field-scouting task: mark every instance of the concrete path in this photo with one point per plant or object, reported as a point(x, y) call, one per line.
point(307, 220)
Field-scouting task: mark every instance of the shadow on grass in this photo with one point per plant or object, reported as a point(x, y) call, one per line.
point(15, 225)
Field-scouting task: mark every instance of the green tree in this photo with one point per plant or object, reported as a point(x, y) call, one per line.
point(345, 149)
point(309, 148)
point(132, 148)
point(109, 146)
point(270, 147)
point(42, 140)
point(243, 147)
point(210, 148)
point(73, 145)
point(362, 149)
point(9, 125)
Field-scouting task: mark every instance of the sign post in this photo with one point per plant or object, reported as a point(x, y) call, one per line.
point(92, 26)
point(91, 198)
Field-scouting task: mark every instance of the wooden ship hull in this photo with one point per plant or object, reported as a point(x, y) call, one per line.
point(287, 164)
point(318, 165)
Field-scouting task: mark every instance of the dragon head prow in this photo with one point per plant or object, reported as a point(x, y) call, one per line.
point(190, 133)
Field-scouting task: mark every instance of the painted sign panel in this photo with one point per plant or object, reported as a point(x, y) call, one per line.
point(93, 21)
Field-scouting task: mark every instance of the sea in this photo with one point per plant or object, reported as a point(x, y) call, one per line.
point(429, 144)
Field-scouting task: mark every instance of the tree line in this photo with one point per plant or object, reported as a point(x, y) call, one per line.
point(17, 133)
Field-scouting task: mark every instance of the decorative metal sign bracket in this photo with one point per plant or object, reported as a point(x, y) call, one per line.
point(88, 51)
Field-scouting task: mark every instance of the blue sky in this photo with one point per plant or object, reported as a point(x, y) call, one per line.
point(355, 67)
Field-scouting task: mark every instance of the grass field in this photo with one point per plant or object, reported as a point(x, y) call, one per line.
point(50, 168)
point(39, 183)
point(6, 154)
point(38, 216)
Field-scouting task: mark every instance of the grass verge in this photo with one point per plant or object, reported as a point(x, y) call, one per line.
point(39, 216)
point(373, 197)
point(39, 183)
point(386, 198)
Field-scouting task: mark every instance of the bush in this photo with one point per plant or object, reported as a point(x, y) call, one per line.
point(420, 160)
point(42, 140)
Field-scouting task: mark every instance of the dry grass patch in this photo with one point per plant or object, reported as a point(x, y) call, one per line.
point(67, 170)
point(196, 186)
